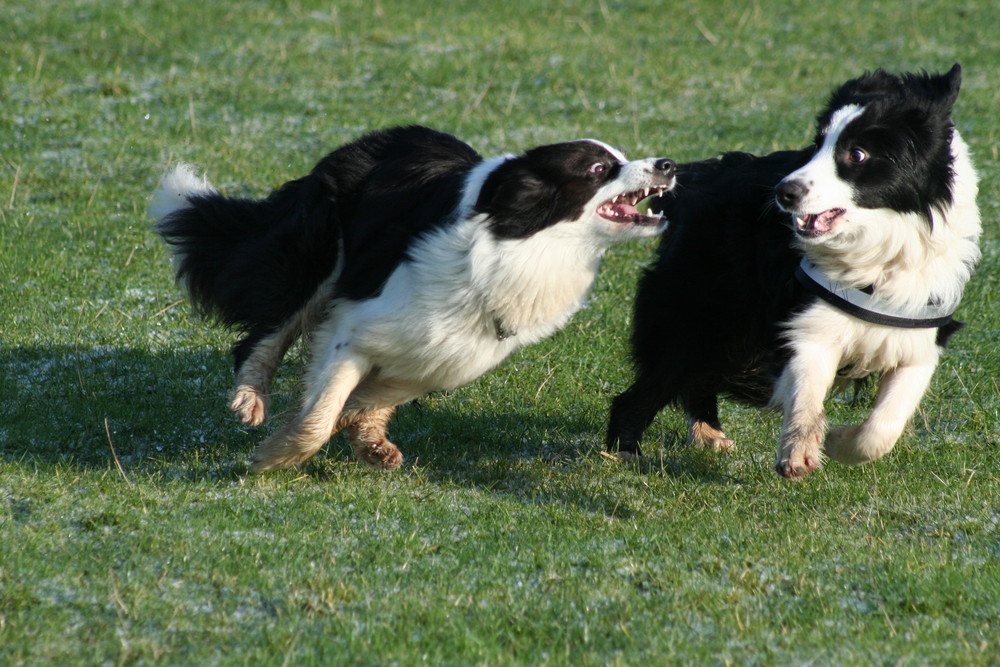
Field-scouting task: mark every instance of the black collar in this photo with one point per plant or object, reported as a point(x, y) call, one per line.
point(862, 304)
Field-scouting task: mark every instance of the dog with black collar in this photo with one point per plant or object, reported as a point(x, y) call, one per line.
point(782, 276)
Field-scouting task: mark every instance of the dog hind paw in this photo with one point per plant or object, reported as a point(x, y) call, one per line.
point(726, 445)
point(705, 436)
point(382, 454)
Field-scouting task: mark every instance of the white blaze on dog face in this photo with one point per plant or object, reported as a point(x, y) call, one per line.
point(815, 194)
point(821, 171)
point(614, 152)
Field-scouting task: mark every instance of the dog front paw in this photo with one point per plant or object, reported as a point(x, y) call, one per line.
point(275, 453)
point(791, 469)
point(292, 445)
point(250, 405)
point(799, 456)
point(855, 445)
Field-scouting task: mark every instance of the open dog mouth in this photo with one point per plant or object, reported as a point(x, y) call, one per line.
point(817, 224)
point(622, 208)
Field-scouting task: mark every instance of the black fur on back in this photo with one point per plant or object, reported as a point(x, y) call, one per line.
point(253, 264)
point(708, 311)
point(735, 270)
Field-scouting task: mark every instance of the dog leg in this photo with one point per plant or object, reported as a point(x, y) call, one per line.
point(899, 395)
point(331, 378)
point(633, 411)
point(800, 391)
point(708, 436)
point(251, 400)
point(367, 435)
point(704, 427)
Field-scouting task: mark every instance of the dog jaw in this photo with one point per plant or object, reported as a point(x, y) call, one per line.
point(618, 201)
point(622, 208)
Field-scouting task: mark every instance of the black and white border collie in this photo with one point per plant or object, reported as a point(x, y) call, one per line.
point(782, 277)
point(409, 262)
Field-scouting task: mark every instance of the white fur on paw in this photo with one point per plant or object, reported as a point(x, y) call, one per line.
point(842, 445)
point(799, 461)
point(250, 405)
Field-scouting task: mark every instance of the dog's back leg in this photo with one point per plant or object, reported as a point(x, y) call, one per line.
point(899, 395)
point(367, 432)
point(334, 371)
point(704, 427)
point(255, 370)
point(633, 411)
point(258, 356)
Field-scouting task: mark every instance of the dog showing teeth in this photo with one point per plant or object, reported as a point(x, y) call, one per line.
point(624, 206)
point(408, 262)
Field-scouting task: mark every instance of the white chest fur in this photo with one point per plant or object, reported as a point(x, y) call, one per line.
point(435, 324)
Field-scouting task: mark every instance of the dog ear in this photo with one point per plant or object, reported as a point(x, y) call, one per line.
point(517, 201)
point(941, 90)
point(949, 85)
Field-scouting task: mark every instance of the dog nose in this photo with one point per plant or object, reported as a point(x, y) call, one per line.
point(790, 193)
point(665, 166)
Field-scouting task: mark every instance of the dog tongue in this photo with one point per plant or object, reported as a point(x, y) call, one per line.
point(820, 223)
point(626, 210)
point(618, 210)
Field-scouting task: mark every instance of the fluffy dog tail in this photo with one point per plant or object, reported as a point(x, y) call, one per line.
point(250, 264)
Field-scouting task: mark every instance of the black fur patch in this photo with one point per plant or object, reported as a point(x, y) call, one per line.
point(254, 264)
point(545, 185)
point(905, 130)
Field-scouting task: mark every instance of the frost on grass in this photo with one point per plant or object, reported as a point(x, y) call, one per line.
point(66, 402)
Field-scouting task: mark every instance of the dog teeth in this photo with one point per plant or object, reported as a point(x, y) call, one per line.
point(633, 198)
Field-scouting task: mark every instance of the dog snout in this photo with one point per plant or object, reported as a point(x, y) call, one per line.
point(665, 167)
point(790, 193)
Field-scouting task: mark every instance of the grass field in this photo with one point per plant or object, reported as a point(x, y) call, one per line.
point(130, 530)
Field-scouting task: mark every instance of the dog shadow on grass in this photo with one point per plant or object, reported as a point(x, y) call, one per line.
point(541, 458)
point(164, 413)
point(100, 406)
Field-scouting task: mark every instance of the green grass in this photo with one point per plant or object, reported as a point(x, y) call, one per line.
point(130, 531)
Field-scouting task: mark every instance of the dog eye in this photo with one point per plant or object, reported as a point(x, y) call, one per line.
point(597, 169)
point(857, 156)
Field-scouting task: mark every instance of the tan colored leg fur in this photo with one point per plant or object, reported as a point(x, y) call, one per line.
point(367, 435)
point(704, 435)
